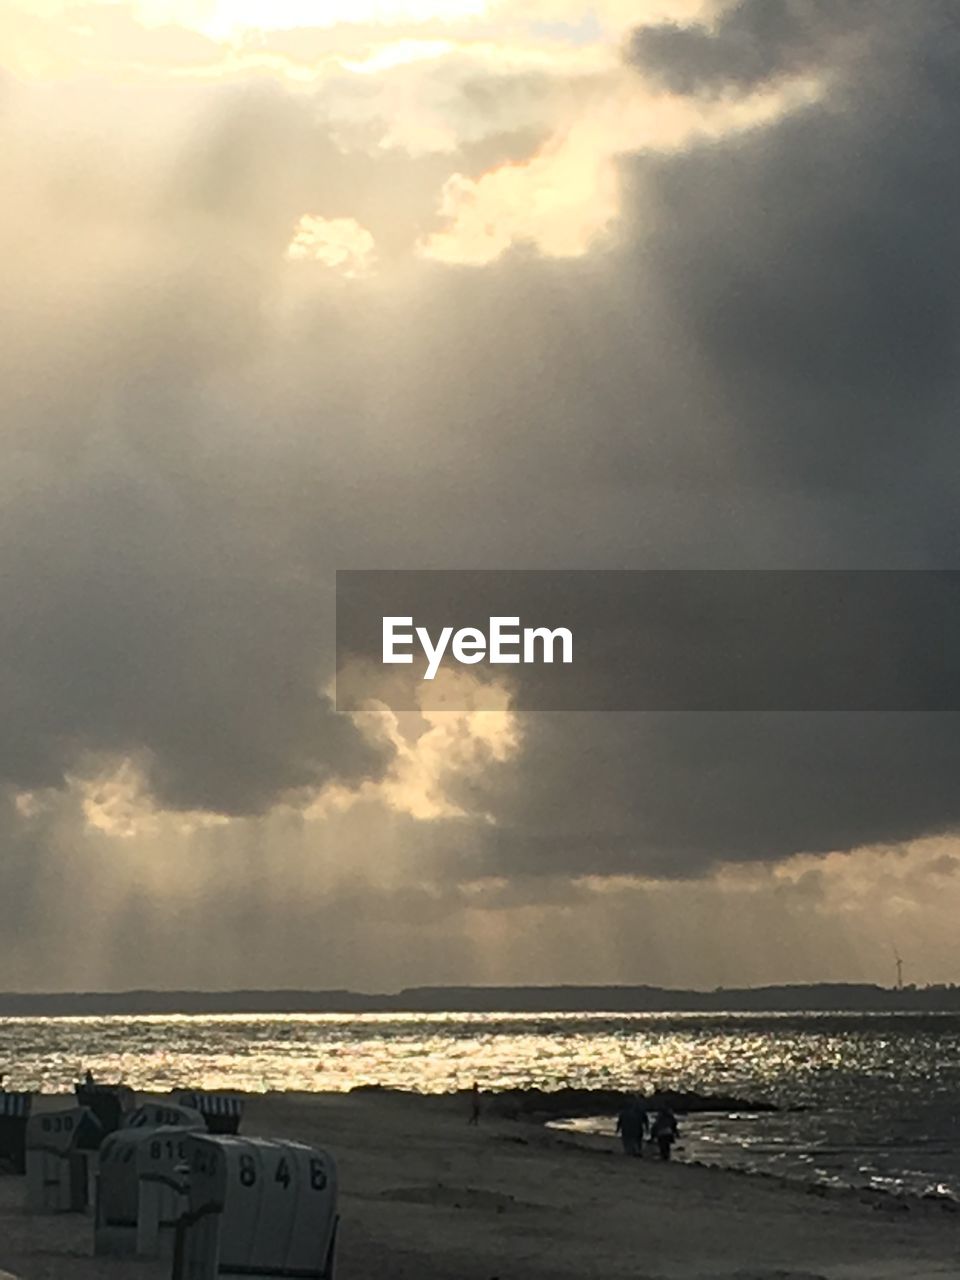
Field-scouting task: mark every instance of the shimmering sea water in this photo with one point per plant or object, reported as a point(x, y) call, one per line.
point(868, 1099)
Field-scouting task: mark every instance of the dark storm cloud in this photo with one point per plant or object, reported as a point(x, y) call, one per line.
point(161, 600)
point(814, 262)
point(760, 373)
point(153, 606)
point(811, 267)
point(670, 794)
point(146, 625)
point(753, 42)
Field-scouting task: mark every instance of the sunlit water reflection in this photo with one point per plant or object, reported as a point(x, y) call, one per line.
point(880, 1091)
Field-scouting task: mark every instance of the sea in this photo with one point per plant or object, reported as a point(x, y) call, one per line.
point(866, 1100)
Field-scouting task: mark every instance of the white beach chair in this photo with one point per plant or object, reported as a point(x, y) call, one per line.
point(257, 1207)
point(140, 1194)
point(58, 1148)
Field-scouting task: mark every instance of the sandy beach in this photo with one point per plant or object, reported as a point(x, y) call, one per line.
point(426, 1197)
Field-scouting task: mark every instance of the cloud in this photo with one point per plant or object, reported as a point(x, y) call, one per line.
point(672, 795)
point(804, 258)
point(754, 42)
point(272, 901)
point(798, 267)
point(53, 40)
point(340, 243)
point(712, 329)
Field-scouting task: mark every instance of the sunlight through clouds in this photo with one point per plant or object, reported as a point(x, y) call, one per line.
point(566, 198)
point(240, 350)
point(339, 243)
point(116, 801)
point(434, 749)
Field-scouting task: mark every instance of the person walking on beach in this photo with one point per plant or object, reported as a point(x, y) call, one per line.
point(665, 1130)
point(474, 1104)
point(632, 1127)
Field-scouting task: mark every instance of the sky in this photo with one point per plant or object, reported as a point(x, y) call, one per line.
point(288, 286)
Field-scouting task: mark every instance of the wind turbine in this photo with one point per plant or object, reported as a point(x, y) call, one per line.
point(899, 961)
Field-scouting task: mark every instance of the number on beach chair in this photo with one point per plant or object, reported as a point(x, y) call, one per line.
point(140, 1194)
point(155, 1115)
point(258, 1207)
point(57, 1148)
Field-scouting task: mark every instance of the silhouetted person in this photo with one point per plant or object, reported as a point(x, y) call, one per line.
point(88, 1078)
point(474, 1104)
point(665, 1131)
point(632, 1127)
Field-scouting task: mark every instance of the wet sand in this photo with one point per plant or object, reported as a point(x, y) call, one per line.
point(424, 1196)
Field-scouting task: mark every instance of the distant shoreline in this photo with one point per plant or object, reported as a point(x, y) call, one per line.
point(523, 1000)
